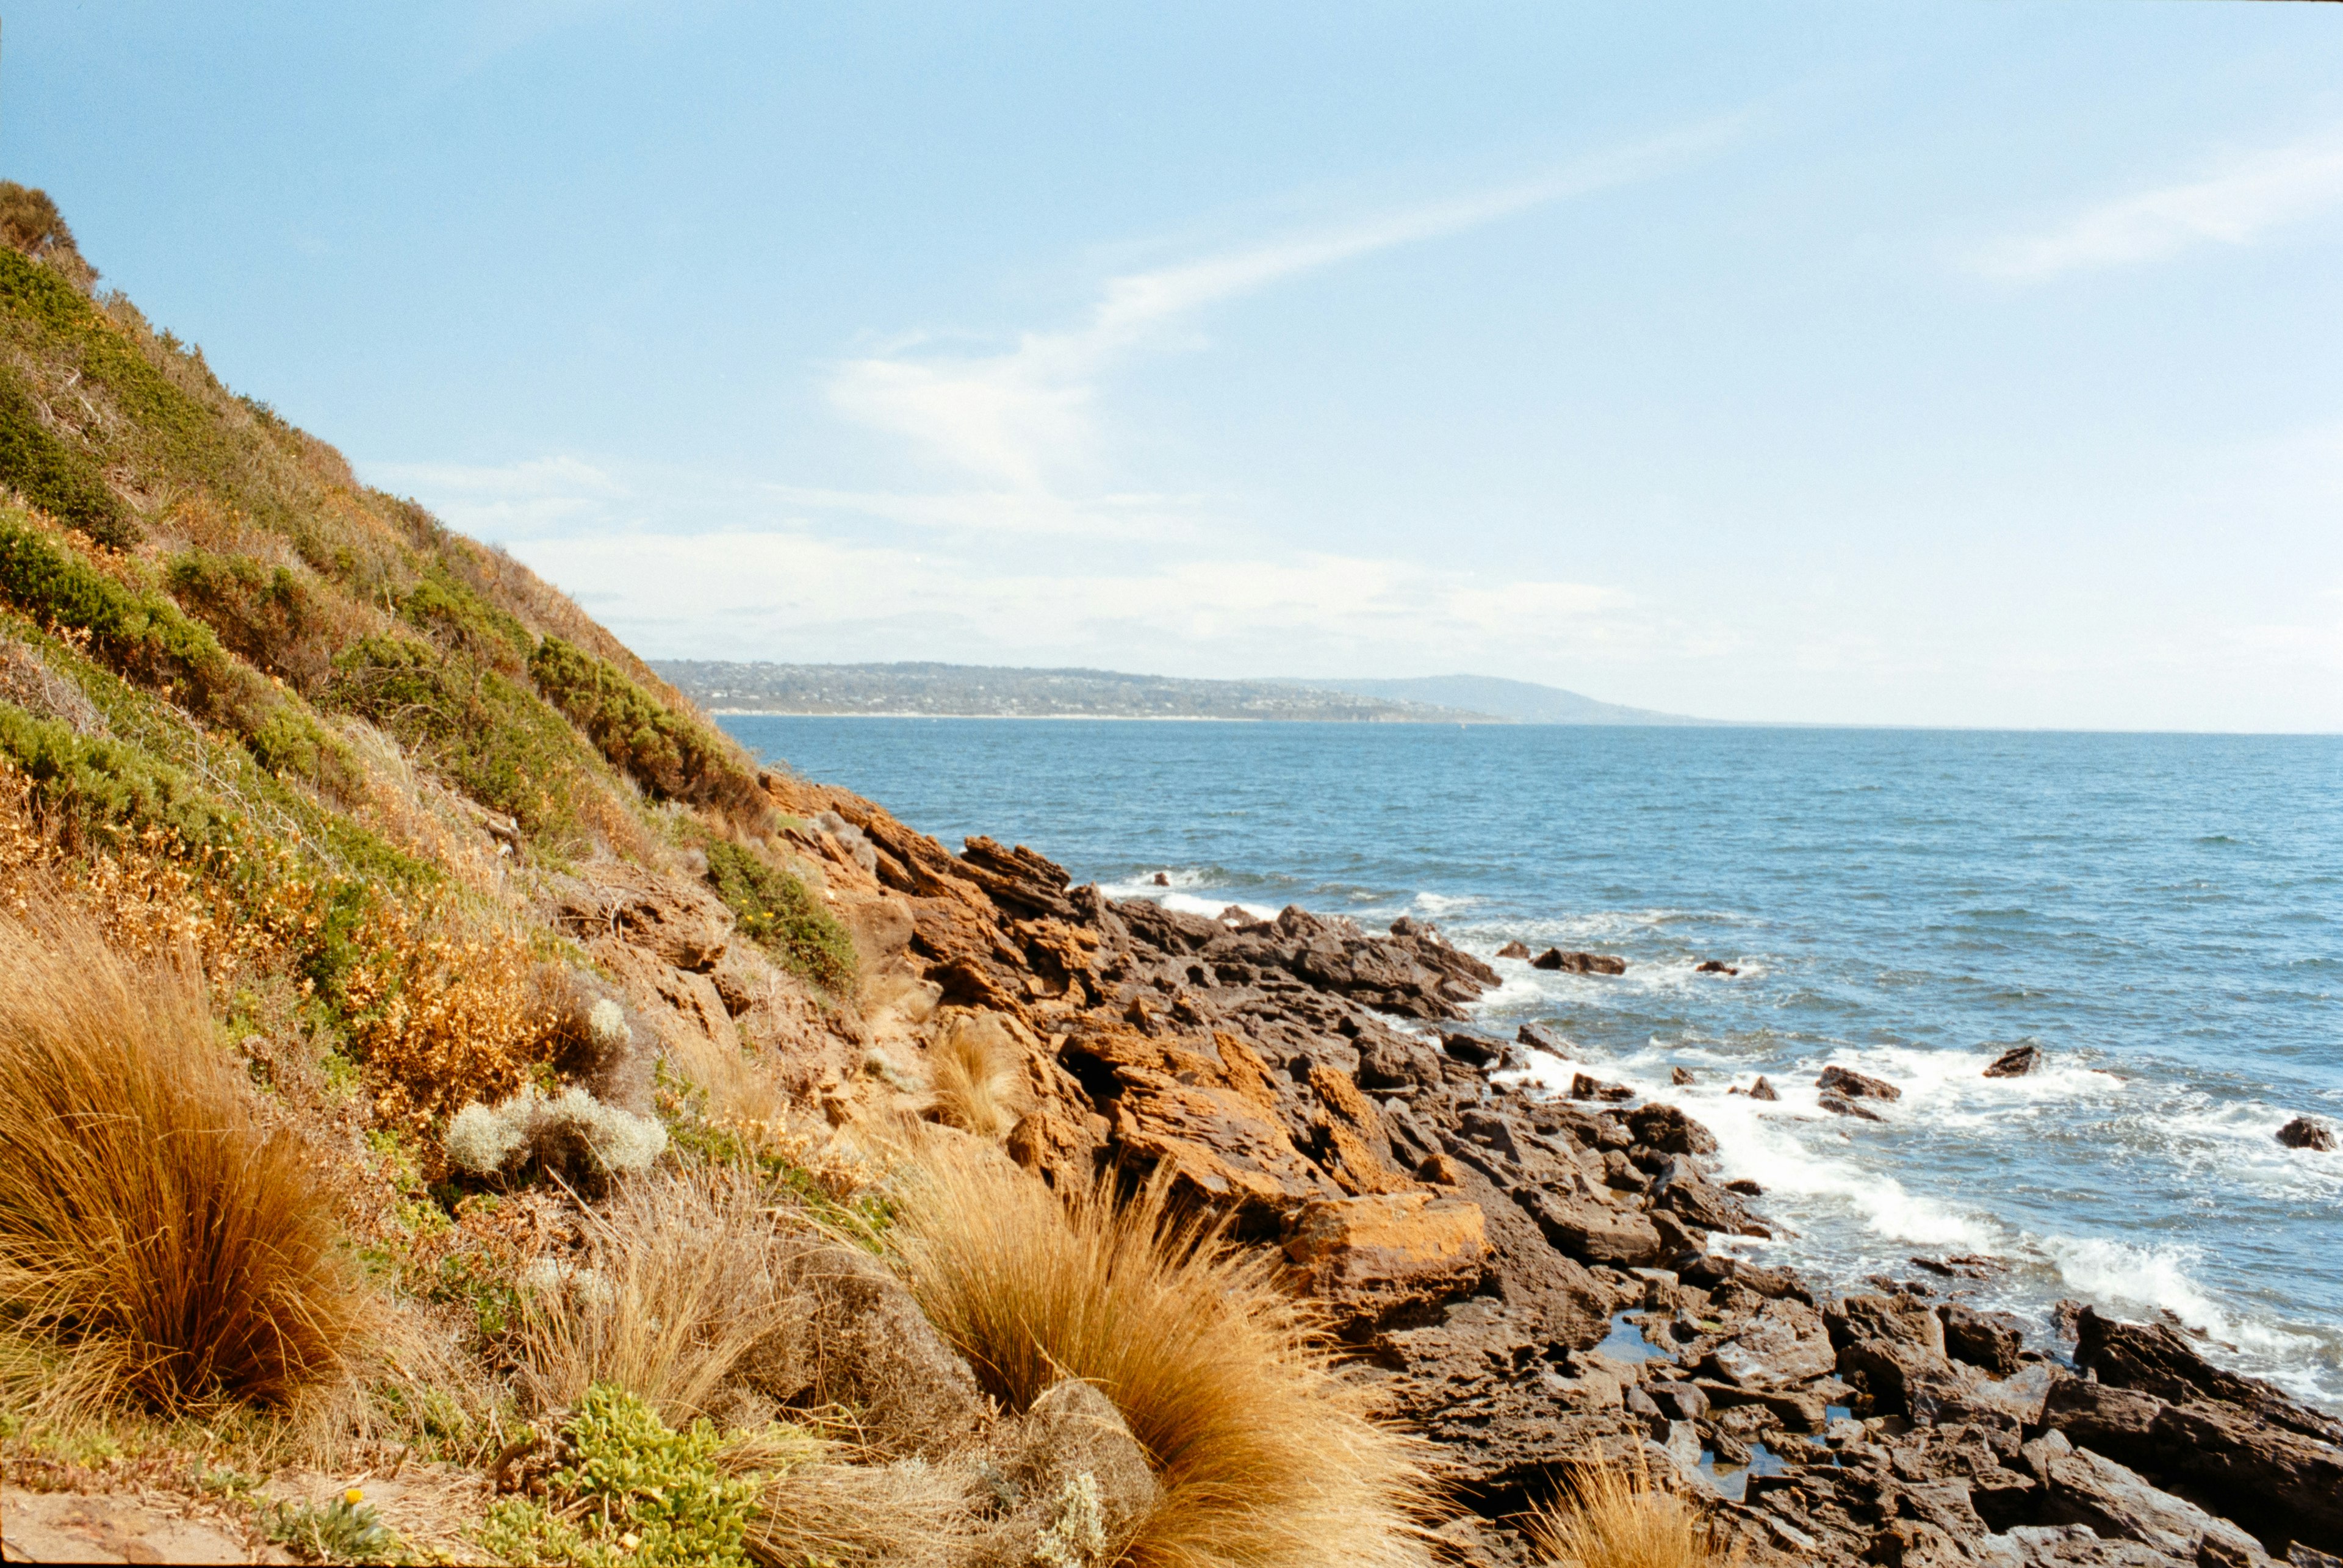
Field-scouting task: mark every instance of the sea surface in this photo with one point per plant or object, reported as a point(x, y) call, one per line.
point(2162, 915)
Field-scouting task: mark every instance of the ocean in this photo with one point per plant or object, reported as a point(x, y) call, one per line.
point(2162, 915)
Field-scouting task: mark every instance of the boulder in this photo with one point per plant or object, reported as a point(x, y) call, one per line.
point(2080, 1487)
point(1840, 1105)
point(2302, 1132)
point(1784, 1343)
point(1714, 967)
point(1476, 1051)
point(1591, 1230)
point(1761, 1089)
point(1372, 1259)
point(881, 1356)
point(1073, 1430)
point(1853, 1085)
point(1670, 1131)
point(1987, 1340)
point(1682, 1077)
point(1512, 950)
point(2015, 1062)
point(1578, 963)
point(1582, 1087)
point(1685, 1192)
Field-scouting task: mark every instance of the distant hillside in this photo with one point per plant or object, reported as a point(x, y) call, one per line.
point(1522, 701)
point(969, 690)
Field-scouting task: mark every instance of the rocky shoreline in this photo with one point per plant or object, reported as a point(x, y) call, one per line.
point(1532, 1280)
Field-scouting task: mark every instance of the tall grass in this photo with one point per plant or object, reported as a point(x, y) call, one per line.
point(975, 1080)
point(167, 1247)
point(1610, 1516)
point(684, 1276)
point(1267, 1457)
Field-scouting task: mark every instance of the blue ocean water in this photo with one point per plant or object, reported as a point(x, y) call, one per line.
point(2163, 915)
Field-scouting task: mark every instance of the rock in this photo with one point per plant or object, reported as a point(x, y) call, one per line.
point(2301, 1556)
point(1582, 1087)
point(1745, 1187)
point(1579, 963)
point(1512, 950)
point(1799, 1411)
point(1785, 1343)
point(1537, 1037)
point(1475, 1050)
point(881, 1356)
point(2015, 1062)
point(2153, 1358)
point(1160, 879)
point(1987, 1340)
point(1679, 1401)
point(1762, 1089)
point(1591, 1230)
point(1681, 1076)
point(1670, 1131)
point(1372, 1259)
point(1840, 1105)
point(66, 1527)
point(1074, 1430)
point(1855, 1085)
point(2302, 1132)
point(2080, 1487)
point(1714, 967)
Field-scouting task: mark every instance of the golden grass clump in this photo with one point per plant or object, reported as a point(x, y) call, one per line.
point(975, 1076)
point(1610, 1516)
point(682, 1276)
point(1267, 1458)
point(153, 1235)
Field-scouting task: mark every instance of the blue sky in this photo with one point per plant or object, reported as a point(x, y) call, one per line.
point(1947, 364)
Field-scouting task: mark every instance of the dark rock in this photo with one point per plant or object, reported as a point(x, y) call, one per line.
point(1987, 1340)
point(1680, 1401)
point(1512, 950)
point(1840, 1105)
point(2153, 1358)
point(2015, 1062)
point(2302, 1132)
point(1714, 967)
point(1799, 1411)
point(1161, 878)
point(1855, 1085)
point(1582, 1087)
point(1669, 1129)
point(1681, 1076)
point(1761, 1089)
point(1745, 1187)
point(1693, 1199)
point(1537, 1037)
point(1591, 1230)
point(1579, 963)
point(2080, 1487)
point(1474, 1049)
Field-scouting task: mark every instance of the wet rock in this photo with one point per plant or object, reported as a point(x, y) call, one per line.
point(1714, 967)
point(1987, 1340)
point(1512, 950)
point(1582, 1087)
point(1853, 1085)
point(1761, 1089)
point(1669, 1129)
point(1475, 1050)
point(1682, 1077)
point(2015, 1062)
point(1794, 1408)
point(2302, 1132)
point(1578, 963)
point(1372, 1259)
point(1840, 1105)
point(1745, 1187)
point(1683, 1192)
point(1537, 1037)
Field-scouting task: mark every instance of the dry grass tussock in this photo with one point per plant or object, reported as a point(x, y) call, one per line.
point(975, 1076)
point(1610, 1516)
point(158, 1243)
point(682, 1277)
point(1266, 1456)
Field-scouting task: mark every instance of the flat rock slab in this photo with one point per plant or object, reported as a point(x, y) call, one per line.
point(69, 1527)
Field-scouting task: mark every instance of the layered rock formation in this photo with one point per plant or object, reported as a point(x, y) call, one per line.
point(1532, 1279)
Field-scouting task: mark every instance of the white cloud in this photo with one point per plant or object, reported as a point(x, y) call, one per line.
point(506, 500)
point(1023, 418)
point(2253, 196)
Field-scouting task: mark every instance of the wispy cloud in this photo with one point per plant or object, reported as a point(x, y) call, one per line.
point(2253, 196)
point(1024, 416)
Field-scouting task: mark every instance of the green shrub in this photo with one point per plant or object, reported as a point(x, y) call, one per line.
point(286, 622)
point(777, 911)
point(55, 475)
point(151, 640)
point(344, 1531)
point(493, 738)
point(95, 788)
point(457, 617)
point(31, 223)
point(639, 1490)
point(671, 756)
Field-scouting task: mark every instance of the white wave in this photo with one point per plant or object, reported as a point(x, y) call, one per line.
point(1434, 906)
point(1187, 890)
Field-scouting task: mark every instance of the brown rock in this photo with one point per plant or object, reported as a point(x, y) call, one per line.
point(2080, 1487)
point(1512, 950)
point(1762, 1089)
point(1072, 1430)
point(1987, 1340)
point(1855, 1085)
point(2015, 1062)
point(1681, 1076)
point(1714, 967)
point(1784, 1343)
point(1371, 1259)
point(1840, 1105)
point(1579, 963)
point(2302, 1132)
point(1582, 1087)
point(1589, 1228)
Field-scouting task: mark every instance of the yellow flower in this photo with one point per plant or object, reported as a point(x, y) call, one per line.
point(353, 1497)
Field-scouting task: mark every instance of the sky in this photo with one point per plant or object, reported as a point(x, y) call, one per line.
point(1956, 364)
